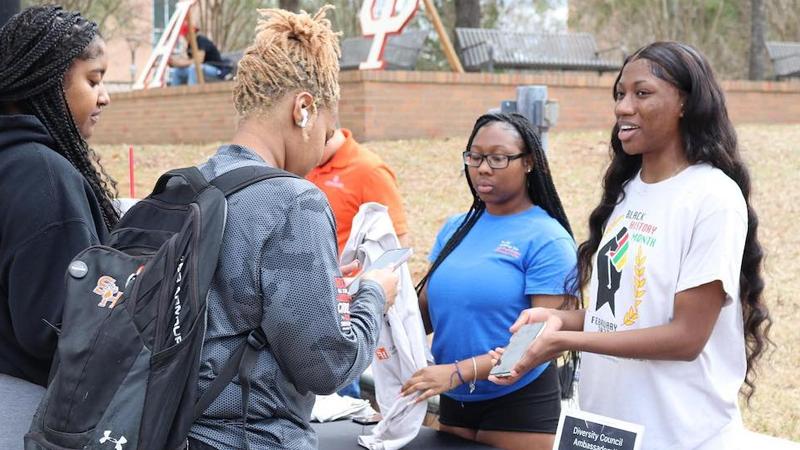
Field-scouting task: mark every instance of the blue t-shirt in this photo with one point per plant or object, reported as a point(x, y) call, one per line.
point(479, 290)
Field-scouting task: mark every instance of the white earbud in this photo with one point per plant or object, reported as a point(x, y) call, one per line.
point(304, 121)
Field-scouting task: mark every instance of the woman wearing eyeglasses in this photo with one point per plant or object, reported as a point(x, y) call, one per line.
point(512, 250)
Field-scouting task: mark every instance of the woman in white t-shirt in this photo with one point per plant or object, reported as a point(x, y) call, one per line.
point(675, 320)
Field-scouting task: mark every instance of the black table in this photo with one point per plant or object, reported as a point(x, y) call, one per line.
point(343, 435)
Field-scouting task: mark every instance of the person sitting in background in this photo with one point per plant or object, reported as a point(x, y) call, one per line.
point(183, 68)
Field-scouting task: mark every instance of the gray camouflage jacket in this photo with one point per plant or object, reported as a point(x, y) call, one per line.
point(278, 267)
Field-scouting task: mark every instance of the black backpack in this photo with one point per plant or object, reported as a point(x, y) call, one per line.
point(134, 323)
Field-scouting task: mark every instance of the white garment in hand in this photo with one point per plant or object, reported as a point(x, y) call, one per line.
point(402, 347)
point(332, 407)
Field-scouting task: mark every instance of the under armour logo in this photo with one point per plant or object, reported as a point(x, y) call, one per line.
point(107, 438)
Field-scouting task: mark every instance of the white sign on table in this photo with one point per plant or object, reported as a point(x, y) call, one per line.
point(579, 430)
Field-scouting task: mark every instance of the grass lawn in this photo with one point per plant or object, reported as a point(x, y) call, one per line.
point(429, 173)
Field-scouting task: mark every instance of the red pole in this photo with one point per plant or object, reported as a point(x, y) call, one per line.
point(130, 160)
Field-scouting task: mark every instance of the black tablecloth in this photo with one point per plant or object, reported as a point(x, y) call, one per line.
point(343, 435)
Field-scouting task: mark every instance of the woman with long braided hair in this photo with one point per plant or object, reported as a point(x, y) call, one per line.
point(675, 321)
point(511, 250)
point(54, 198)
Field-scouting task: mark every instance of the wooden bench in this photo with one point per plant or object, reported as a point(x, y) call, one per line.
point(401, 52)
point(785, 58)
point(489, 49)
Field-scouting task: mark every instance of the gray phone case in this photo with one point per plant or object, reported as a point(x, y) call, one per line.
point(516, 348)
point(395, 257)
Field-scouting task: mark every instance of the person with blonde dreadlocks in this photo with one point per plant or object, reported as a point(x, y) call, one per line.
point(54, 196)
point(278, 266)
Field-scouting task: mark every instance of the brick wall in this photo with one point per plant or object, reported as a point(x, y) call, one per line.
point(406, 105)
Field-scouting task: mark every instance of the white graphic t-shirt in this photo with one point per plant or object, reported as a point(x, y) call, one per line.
point(664, 238)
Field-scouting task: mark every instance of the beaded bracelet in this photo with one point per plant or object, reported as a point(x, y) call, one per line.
point(458, 372)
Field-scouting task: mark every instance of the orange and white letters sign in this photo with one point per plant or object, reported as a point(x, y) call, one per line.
point(394, 16)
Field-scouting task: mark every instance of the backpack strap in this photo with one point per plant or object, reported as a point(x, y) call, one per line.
point(191, 175)
point(242, 362)
point(255, 342)
point(237, 179)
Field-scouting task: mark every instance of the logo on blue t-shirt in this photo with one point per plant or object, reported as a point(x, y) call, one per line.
point(508, 248)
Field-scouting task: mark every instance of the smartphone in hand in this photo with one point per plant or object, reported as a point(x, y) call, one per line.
point(371, 420)
point(516, 348)
point(391, 259)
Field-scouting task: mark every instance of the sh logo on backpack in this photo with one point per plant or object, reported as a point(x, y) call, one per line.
point(108, 291)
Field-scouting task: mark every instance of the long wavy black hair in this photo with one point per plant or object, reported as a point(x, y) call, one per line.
point(37, 48)
point(708, 137)
point(542, 193)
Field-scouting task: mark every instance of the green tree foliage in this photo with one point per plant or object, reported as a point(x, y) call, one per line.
point(289, 5)
point(719, 28)
point(112, 16)
point(783, 20)
point(230, 24)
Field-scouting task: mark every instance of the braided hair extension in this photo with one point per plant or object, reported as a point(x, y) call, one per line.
point(37, 48)
point(542, 192)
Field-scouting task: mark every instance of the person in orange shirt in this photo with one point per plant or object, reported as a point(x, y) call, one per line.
point(351, 175)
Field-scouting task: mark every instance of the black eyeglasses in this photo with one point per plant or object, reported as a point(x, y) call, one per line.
point(495, 161)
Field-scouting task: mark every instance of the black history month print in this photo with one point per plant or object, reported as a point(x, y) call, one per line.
point(627, 238)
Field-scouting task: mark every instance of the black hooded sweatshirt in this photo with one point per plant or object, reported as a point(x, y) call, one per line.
point(48, 213)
